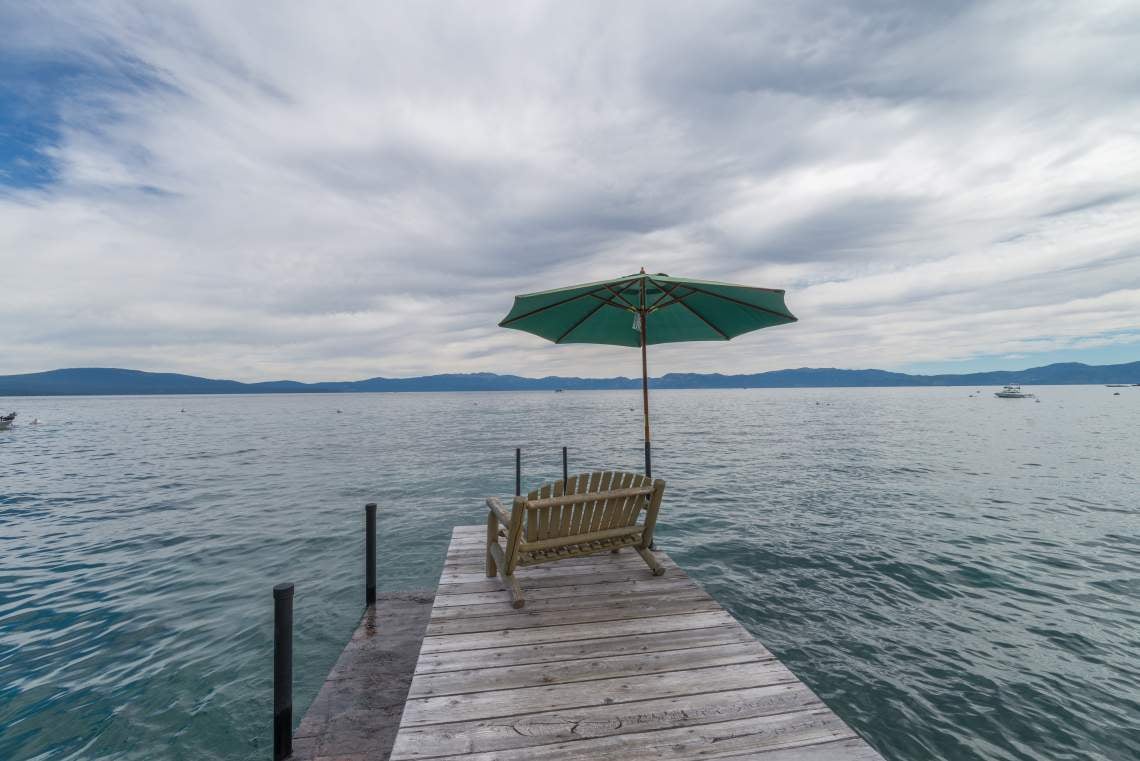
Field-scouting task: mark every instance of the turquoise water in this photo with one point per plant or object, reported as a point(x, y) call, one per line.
point(958, 577)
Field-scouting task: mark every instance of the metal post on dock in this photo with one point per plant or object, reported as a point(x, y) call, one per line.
point(282, 671)
point(370, 554)
point(518, 471)
point(565, 468)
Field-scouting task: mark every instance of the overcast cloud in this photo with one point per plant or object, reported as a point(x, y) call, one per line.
point(343, 190)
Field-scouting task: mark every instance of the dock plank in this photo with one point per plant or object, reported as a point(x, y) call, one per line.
point(489, 735)
point(568, 632)
point(583, 669)
point(726, 739)
point(651, 607)
point(521, 655)
point(604, 662)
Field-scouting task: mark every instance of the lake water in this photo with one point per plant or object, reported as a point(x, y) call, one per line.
point(957, 577)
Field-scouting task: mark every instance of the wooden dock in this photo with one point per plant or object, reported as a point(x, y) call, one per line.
point(604, 662)
point(357, 711)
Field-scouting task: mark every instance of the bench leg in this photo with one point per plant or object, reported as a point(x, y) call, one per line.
point(651, 561)
point(492, 538)
point(495, 555)
point(517, 599)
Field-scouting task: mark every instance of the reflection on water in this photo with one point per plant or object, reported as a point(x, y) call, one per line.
point(958, 577)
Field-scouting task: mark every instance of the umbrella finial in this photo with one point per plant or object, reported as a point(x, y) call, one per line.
point(642, 270)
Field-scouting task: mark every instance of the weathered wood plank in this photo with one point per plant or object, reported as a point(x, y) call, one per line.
point(547, 634)
point(600, 721)
point(723, 739)
point(554, 652)
point(614, 600)
point(537, 573)
point(483, 705)
point(457, 558)
point(556, 580)
point(601, 559)
point(623, 588)
point(673, 605)
point(582, 670)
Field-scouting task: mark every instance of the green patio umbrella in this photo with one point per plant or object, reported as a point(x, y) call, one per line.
point(641, 309)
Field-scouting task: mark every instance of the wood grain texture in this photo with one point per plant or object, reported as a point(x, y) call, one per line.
point(600, 721)
point(605, 662)
point(519, 655)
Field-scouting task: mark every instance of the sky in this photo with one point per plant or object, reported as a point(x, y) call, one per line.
point(341, 190)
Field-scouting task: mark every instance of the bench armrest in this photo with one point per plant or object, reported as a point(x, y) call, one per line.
point(497, 508)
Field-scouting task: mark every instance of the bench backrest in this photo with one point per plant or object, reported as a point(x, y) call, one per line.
point(588, 506)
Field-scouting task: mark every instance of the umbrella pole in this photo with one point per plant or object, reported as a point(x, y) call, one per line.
point(645, 398)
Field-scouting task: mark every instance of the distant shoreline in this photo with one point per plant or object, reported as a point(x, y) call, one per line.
point(121, 382)
point(985, 391)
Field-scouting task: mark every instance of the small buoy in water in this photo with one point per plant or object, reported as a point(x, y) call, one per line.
point(182, 410)
point(35, 421)
point(338, 412)
point(1116, 393)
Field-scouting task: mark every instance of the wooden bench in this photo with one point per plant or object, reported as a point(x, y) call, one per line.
point(591, 512)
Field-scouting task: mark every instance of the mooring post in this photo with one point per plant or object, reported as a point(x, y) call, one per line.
point(565, 468)
point(370, 554)
point(518, 471)
point(282, 671)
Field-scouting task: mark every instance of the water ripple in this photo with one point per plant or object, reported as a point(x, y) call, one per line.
point(959, 579)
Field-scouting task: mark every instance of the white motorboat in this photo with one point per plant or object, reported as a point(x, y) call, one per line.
point(1012, 391)
point(6, 420)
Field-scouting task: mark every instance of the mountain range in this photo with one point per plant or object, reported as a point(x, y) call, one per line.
point(114, 381)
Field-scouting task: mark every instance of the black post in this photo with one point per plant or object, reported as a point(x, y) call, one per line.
point(282, 671)
point(518, 471)
point(370, 554)
point(565, 469)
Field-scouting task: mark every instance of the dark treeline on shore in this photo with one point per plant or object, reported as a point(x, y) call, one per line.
point(113, 381)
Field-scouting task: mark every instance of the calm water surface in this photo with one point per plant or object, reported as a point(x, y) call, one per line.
point(957, 577)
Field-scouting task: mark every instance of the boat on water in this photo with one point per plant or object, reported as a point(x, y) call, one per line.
point(6, 420)
point(1012, 391)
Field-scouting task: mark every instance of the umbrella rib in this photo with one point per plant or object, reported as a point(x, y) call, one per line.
point(665, 294)
point(619, 293)
point(680, 300)
point(584, 317)
point(741, 303)
point(611, 302)
point(533, 312)
point(705, 320)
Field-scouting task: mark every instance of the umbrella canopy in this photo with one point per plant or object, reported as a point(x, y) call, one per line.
point(642, 309)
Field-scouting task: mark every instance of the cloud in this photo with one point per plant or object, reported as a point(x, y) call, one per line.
point(356, 189)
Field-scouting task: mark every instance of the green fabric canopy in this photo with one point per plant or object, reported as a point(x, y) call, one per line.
point(678, 310)
point(641, 309)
